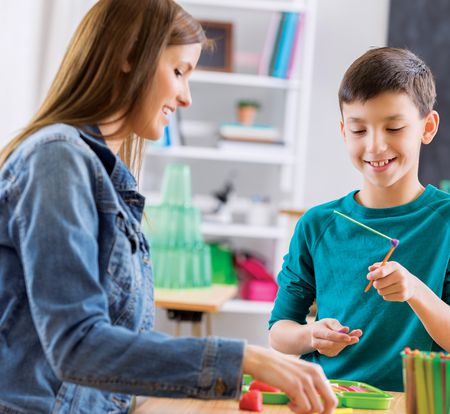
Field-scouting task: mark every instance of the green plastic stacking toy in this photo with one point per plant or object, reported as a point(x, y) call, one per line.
point(180, 257)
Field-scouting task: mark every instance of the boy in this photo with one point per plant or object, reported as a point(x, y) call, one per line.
point(386, 100)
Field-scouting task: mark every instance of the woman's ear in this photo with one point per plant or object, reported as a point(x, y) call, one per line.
point(431, 127)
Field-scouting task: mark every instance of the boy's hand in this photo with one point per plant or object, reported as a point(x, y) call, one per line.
point(329, 337)
point(392, 281)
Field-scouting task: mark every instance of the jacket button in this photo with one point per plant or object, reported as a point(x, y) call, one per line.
point(220, 387)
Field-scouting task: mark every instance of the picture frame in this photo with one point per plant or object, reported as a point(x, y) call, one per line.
point(220, 59)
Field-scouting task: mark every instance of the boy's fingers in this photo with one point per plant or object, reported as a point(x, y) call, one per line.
point(389, 289)
point(333, 336)
point(356, 332)
point(335, 325)
point(381, 272)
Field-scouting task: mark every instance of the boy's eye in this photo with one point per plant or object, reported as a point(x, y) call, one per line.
point(178, 73)
point(358, 131)
point(394, 129)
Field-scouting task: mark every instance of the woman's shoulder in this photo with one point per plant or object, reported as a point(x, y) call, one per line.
point(54, 149)
point(55, 133)
point(56, 142)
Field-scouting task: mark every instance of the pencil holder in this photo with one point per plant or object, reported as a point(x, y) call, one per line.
point(180, 257)
point(426, 378)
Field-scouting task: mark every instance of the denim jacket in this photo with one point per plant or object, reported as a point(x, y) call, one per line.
point(76, 290)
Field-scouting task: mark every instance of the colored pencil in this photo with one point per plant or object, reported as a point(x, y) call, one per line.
point(437, 384)
point(421, 390)
point(363, 225)
point(410, 381)
point(386, 258)
point(429, 382)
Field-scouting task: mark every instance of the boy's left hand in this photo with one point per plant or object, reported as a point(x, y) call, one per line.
point(392, 281)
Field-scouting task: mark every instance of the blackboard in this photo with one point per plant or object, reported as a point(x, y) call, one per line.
point(423, 26)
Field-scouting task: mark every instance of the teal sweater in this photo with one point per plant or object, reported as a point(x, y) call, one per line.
point(328, 261)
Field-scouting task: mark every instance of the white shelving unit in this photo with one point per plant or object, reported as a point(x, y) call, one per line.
point(237, 79)
point(244, 231)
point(274, 156)
point(289, 107)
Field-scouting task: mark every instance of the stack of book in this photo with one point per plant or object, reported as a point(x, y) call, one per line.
point(279, 57)
point(233, 134)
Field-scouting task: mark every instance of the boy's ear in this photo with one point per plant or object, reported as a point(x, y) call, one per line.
point(431, 127)
point(342, 127)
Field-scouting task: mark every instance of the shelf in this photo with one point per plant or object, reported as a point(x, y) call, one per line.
point(262, 5)
point(242, 230)
point(242, 79)
point(247, 306)
point(270, 156)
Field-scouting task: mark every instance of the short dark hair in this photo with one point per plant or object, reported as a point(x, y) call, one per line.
point(389, 69)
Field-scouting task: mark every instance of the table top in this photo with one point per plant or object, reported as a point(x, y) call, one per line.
point(208, 299)
point(190, 406)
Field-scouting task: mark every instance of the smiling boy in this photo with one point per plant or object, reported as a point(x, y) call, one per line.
point(386, 100)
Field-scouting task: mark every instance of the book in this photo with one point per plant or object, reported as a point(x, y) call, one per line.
point(295, 53)
point(276, 43)
point(174, 131)
point(285, 45)
point(269, 45)
point(252, 133)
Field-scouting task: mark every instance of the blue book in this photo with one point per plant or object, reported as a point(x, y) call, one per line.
point(285, 45)
point(276, 44)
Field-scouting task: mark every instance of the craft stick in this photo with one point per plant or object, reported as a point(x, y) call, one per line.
point(421, 391)
point(410, 379)
point(363, 225)
point(447, 383)
point(386, 258)
point(428, 365)
point(438, 400)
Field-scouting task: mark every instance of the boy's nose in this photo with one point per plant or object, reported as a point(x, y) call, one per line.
point(376, 143)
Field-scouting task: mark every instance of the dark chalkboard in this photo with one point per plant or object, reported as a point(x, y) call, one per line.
point(423, 26)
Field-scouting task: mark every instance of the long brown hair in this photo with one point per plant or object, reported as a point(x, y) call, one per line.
point(90, 84)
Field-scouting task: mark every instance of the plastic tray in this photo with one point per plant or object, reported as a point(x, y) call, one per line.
point(275, 398)
point(373, 399)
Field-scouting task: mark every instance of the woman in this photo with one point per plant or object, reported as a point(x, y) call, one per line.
point(76, 293)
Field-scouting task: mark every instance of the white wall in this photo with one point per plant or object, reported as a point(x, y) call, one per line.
point(345, 29)
point(33, 38)
point(20, 42)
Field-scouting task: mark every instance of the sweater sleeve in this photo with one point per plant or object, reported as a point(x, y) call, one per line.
point(296, 281)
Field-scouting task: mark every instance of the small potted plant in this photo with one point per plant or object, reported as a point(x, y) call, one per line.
point(247, 110)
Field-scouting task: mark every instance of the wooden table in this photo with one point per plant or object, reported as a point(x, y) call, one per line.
point(191, 304)
point(190, 406)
